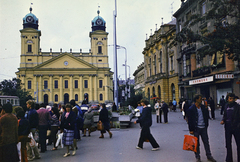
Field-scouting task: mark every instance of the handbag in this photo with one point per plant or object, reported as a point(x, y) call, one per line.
point(100, 126)
point(190, 143)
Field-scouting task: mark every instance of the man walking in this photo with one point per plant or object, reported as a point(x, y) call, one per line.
point(44, 117)
point(198, 117)
point(174, 105)
point(231, 120)
point(165, 111)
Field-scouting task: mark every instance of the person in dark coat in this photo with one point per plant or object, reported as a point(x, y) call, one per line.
point(212, 107)
point(114, 107)
point(222, 103)
point(231, 121)
point(23, 132)
point(165, 111)
point(104, 118)
point(8, 135)
point(198, 117)
point(67, 127)
point(145, 122)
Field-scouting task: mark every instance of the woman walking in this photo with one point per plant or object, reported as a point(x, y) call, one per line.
point(54, 126)
point(145, 122)
point(67, 127)
point(103, 117)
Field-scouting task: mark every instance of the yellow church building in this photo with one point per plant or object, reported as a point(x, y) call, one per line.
point(57, 77)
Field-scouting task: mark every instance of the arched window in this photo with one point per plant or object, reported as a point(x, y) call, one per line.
point(159, 92)
point(76, 97)
point(56, 98)
point(148, 93)
point(153, 92)
point(66, 98)
point(173, 91)
point(100, 97)
point(45, 99)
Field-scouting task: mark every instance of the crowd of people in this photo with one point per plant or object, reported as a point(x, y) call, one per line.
point(31, 128)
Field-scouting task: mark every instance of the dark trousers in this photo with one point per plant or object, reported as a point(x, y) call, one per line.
point(54, 130)
point(146, 134)
point(43, 136)
point(204, 136)
point(213, 113)
point(165, 116)
point(229, 132)
point(159, 117)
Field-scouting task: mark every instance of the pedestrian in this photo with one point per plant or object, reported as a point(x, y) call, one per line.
point(77, 127)
point(145, 122)
point(104, 118)
point(33, 118)
point(8, 135)
point(237, 100)
point(67, 127)
point(114, 107)
point(174, 105)
point(88, 122)
point(158, 109)
point(54, 126)
point(198, 117)
point(212, 107)
point(165, 111)
point(185, 107)
point(222, 103)
point(44, 120)
point(170, 105)
point(23, 132)
point(231, 121)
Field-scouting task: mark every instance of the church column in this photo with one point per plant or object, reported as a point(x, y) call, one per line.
point(40, 96)
point(95, 89)
point(71, 88)
point(61, 89)
point(81, 87)
point(90, 88)
point(51, 89)
point(34, 84)
point(106, 97)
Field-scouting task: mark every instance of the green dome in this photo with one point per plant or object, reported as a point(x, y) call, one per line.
point(30, 20)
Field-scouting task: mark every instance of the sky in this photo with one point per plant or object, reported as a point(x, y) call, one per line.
point(66, 24)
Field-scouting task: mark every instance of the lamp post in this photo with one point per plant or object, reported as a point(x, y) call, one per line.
point(126, 80)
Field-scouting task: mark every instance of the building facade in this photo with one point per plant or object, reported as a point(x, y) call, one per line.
point(160, 70)
point(213, 75)
point(57, 77)
point(139, 78)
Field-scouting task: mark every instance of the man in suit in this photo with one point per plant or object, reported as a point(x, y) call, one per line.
point(198, 117)
point(165, 111)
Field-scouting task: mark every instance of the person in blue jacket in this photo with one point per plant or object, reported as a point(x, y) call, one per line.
point(145, 122)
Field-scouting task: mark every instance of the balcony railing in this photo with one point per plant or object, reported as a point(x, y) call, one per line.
point(201, 71)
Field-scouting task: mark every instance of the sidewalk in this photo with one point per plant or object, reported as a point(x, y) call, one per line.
point(121, 147)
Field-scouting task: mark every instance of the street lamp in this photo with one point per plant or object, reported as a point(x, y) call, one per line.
point(126, 80)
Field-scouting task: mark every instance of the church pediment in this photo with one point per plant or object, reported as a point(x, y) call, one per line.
point(65, 61)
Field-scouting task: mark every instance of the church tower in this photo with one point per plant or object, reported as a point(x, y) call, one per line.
point(30, 40)
point(98, 36)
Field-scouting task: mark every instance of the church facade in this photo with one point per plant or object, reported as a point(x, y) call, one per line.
point(58, 77)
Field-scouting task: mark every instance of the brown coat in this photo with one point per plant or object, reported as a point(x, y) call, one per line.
point(8, 129)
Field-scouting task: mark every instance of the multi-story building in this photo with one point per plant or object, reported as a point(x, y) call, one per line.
point(57, 77)
point(160, 70)
point(139, 78)
point(213, 75)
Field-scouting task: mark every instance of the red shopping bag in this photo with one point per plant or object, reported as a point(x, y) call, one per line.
point(190, 143)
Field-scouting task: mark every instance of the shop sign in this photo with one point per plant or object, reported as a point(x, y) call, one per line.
point(201, 80)
point(224, 76)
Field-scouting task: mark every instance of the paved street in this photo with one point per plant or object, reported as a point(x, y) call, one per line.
point(121, 148)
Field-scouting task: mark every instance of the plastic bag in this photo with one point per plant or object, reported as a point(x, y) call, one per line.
point(32, 143)
point(190, 143)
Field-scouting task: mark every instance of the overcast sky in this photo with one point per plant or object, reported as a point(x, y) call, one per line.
point(66, 24)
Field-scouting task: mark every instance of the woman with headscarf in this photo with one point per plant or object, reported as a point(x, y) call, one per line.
point(103, 117)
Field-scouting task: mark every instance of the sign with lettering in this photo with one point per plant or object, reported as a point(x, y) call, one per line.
point(224, 76)
point(201, 80)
